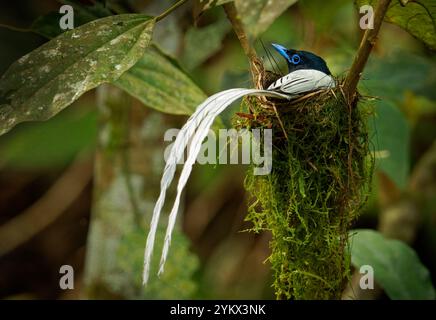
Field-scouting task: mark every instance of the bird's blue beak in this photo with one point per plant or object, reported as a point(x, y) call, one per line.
point(281, 49)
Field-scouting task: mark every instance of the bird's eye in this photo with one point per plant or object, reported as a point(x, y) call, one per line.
point(295, 59)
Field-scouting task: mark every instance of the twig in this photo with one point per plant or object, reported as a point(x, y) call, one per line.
point(255, 64)
point(126, 172)
point(280, 122)
point(170, 9)
point(47, 209)
point(365, 48)
point(17, 29)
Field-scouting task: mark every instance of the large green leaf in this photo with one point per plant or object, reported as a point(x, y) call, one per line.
point(417, 75)
point(417, 17)
point(390, 134)
point(159, 83)
point(157, 80)
point(396, 266)
point(257, 15)
point(51, 77)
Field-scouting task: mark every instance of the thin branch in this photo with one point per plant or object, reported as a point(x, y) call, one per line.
point(365, 48)
point(169, 10)
point(255, 64)
point(48, 208)
point(17, 29)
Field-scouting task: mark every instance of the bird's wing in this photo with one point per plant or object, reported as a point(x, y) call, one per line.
point(301, 81)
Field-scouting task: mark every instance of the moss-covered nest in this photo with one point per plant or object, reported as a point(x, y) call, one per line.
point(320, 173)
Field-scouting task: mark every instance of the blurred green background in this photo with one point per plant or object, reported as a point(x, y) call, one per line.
point(46, 168)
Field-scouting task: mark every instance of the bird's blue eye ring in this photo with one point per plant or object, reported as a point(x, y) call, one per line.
point(295, 59)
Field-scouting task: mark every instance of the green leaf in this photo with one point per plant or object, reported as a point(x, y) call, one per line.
point(160, 84)
point(258, 15)
point(416, 17)
point(391, 139)
point(210, 38)
point(50, 78)
point(396, 266)
point(156, 80)
point(417, 75)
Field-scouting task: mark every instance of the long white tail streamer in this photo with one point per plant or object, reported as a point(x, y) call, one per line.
point(175, 155)
point(197, 127)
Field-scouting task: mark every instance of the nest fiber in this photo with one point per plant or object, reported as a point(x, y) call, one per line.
point(319, 180)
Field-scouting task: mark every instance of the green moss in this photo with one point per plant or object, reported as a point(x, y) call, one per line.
point(318, 183)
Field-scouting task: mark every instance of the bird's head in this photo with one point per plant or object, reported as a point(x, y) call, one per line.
point(298, 59)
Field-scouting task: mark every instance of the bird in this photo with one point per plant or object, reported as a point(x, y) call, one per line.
point(307, 72)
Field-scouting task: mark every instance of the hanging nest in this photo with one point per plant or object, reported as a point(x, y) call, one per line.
point(320, 175)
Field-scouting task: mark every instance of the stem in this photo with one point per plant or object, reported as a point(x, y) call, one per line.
point(250, 52)
point(169, 10)
point(126, 172)
point(366, 45)
point(47, 209)
point(14, 28)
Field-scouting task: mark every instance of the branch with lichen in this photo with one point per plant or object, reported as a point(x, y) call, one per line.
point(365, 48)
point(256, 66)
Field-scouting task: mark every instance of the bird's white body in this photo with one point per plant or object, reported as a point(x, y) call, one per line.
point(301, 81)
